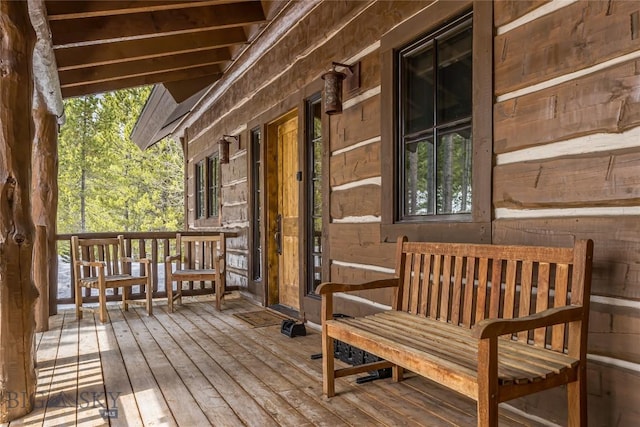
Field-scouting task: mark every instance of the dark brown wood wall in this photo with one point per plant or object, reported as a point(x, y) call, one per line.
point(566, 150)
point(567, 153)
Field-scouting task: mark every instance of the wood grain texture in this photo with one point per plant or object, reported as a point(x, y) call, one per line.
point(616, 270)
point(354, 165)
point(360, 243)
point(574, 37)
point(18, 294)
point(358, 201)
point(605, 101)
point(506, 11)
point(356, 124)
point(595, 180)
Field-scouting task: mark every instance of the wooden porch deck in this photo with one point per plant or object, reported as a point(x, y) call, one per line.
point(199, 367)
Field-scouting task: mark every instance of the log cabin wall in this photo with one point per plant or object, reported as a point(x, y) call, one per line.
point(567, 165)
point(566, 156)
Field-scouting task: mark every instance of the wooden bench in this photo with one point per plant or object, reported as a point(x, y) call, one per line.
point(197, 258)
point(101, 264)
point(451, 324)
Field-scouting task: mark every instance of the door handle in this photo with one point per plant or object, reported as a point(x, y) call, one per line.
point(277, 236)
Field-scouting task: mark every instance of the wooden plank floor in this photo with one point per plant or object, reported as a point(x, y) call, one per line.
point(199, 367)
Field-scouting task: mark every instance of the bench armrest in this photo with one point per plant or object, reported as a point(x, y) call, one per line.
point(331, 287)
point(489, 328)
point(91, 263)
point(136, 259)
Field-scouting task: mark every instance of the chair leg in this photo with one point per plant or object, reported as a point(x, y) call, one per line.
point(219, 291)
point(102, 300)
point(78, 301)
point(125, 298)
point(577, 400)
point(149, 294)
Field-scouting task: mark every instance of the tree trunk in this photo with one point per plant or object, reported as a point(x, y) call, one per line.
point(17, 293)
point(44, 206)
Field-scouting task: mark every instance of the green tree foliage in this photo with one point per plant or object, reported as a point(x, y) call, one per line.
point(106, 182)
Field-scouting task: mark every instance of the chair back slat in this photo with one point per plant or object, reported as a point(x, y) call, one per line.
point(464, 284)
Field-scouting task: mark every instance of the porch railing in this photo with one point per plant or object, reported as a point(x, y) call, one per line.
point(153, 245)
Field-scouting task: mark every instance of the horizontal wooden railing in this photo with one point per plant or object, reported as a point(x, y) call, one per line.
point(152, 245)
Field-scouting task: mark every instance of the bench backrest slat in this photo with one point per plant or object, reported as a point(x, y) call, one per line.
point(464, 284)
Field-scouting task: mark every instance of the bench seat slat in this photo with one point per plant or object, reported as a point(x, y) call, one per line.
point(455, 377)
point(461, 348)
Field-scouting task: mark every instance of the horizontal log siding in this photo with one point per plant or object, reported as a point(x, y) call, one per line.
point(595, 180)
point(605, 101)
point(360, 243)
point(577, 36)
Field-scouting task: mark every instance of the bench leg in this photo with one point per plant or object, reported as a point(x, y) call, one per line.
point(577, 400)
point(125, 297)
point(328, 375)
point(397, 373)
point(488, 382)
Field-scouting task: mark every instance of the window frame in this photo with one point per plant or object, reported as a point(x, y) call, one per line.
point(210, 205)
point(310, 139)
point(199, 178)
point(473, 227)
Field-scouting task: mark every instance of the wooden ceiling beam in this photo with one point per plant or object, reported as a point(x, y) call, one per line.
point(58, 10)
point(208, 70)
point(88, 31)
point(88, 56)
point(142, 67)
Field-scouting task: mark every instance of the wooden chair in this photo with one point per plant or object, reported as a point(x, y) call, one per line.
point(101, 264)
point(197, 258)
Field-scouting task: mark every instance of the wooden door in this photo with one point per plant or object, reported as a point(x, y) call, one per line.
point(287, 215)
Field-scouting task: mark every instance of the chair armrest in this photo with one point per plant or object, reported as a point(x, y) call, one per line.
point(171, 258)
point(91, 263)
point(136, 259)
point(331, 287)
point(490, 328)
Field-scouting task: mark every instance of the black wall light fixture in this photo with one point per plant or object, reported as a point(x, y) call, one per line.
point(333, 85)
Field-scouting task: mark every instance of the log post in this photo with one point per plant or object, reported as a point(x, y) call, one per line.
point(44, 206)
point(17, 293)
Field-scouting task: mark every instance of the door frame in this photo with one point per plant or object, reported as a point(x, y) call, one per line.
point(293, 102)
point(270, 210)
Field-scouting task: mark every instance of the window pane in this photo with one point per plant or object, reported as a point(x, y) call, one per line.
point(418, 89)
point(418, 183)
point(454, 172)
point(454, 77)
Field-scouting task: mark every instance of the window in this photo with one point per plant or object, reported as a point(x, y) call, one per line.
point(436, 124)
point(314, 199)
point(213, 186)
point(200, 189)
point(256, 173)
point(434, 117)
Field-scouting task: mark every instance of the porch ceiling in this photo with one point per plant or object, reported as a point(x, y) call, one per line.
point(185, 44)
